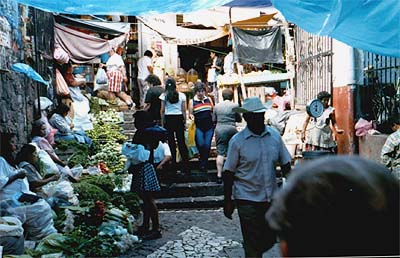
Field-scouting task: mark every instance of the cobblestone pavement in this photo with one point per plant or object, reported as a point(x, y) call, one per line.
point(196, 233)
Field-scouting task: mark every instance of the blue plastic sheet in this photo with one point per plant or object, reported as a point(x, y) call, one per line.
point(122, 7)
point(371, 25)
point(28, 71)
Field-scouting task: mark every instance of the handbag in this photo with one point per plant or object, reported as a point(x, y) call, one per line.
point(61, 86)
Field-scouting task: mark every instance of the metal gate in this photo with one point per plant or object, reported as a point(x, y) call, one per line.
point(314, 65)
point(379, 96)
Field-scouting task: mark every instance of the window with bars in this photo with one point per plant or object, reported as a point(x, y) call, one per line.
point(379, 98)
point(313, 67)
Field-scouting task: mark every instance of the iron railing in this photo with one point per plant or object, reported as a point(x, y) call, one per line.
point(379, 96)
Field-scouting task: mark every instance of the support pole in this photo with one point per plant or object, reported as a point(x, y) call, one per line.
point(243, 88)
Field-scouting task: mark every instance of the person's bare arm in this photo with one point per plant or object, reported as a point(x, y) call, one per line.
point(165, 160)
point(229, 206)
point(150, 68)
point(333, 126)
point(191, 117)
point(162, 111)
point(56, 159)
point(146, 106)
point(184, 112)
point(305, 124)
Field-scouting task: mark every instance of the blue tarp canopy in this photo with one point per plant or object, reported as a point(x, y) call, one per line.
point(135, 7)
point(121, 7)
point(371, 25)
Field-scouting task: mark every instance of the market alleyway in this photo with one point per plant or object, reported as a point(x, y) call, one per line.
point(191, 216)
point(196, 233)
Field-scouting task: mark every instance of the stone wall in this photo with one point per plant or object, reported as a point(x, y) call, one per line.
point(17, 91)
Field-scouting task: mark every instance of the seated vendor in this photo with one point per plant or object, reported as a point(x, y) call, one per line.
point(80, 102)
point(116, 79)
point(65, 126)
point(38, 132)
point(45, 105)
point(27, 158)
point(14, 184)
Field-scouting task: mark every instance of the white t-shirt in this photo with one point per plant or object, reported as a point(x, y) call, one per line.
point(176, 108)
point(114, 62)
point(142, 64)
point(228, 64)
point(161, 151)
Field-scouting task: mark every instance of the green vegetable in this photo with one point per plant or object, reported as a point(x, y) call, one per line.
point(105, 182)
point(90, 193)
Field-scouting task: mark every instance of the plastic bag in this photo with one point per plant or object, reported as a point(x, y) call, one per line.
point(39, 219)
point(47, 165)
point(191, 135)
point(10, 227)
point(101, 80)
point(61, 189)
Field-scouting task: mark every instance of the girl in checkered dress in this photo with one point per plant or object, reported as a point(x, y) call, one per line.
point(145, 180)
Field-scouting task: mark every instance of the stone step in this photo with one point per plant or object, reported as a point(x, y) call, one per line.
point(128, 125)
point(190, 189)
point(190, 202)
point(128, 115)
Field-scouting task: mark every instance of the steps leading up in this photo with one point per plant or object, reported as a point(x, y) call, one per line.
point(197, 190)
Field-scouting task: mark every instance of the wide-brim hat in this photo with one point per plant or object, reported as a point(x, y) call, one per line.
point(252, 104)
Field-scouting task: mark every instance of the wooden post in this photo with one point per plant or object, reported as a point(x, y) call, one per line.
point(244, 93)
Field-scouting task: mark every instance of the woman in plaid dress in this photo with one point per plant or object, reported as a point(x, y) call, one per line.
point(145, 180)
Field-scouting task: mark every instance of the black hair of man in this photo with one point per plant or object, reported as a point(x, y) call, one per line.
point(338, 206)
point(153, 80)
point(148, 53)
point(227, 94)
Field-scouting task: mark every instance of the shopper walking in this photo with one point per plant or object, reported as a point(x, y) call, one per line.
point(200, 109)
point(145, 67)
point(250, 168)
point(225, 119)
point(173, 118)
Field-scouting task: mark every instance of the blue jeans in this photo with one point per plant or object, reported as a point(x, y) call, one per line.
point(203, 143)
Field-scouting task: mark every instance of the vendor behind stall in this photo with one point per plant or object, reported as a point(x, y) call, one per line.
point(116, 79)
point(80, 102)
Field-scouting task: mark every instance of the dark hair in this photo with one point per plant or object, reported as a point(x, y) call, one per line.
point(37, 127)
point(61, 109)
point(395, 119)
point(323, 95)
point(172, 95)
point(25, 153)
point(338, 206)
point(227, 94)
point(143, 119)
point(153, 79)
point(198, 86)
point(5, 147)
point(147, 133)
point(148, 53)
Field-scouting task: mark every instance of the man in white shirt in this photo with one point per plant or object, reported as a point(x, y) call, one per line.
point(228, 63)
point(145, 68)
